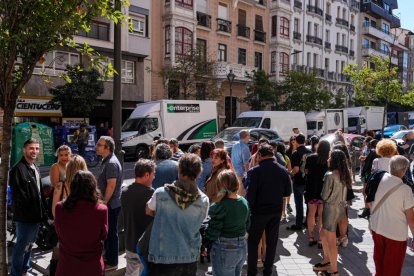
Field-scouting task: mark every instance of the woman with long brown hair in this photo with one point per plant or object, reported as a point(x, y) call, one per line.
point(220, 162)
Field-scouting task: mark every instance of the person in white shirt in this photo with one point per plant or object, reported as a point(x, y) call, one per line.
point(386, 148)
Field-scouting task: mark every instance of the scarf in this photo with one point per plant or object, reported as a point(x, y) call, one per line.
point(183, 193)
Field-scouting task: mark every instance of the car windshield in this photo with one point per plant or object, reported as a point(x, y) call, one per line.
point(399, 135)
point(228, 135)
point(353, 121)
point(392, 128)
point(247, 122)
point(132, 124)
point(311, 124)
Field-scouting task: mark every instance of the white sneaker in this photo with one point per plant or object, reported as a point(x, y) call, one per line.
point(259, 263)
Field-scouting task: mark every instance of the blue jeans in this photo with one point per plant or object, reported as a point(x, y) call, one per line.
point(112, 242)
point(26, 234)
point(298, 191)
point(228, 256)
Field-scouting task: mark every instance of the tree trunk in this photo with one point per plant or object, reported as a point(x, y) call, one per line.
point(384, 118)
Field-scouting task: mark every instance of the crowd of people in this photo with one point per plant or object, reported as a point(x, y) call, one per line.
point(206, 203)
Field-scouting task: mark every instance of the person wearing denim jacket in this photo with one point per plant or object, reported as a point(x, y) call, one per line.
point(179, 210)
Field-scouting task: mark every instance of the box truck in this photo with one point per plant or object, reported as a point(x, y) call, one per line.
point(280, 121)
point(186, 120)
point(364, 118)
point(326, 121)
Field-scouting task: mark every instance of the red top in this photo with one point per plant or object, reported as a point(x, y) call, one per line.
point(81, 233)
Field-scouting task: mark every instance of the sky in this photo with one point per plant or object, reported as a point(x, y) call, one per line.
point(406, 13)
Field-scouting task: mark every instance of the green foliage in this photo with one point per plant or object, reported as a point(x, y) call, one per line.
point(261, 91)
point(303, 92)
point(78, 96)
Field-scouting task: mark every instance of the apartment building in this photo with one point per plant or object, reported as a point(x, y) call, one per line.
point(232, 33)
point(136, 51)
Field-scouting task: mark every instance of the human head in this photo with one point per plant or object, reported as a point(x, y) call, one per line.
point(300, 139)
point(206, 148)
point(173, 145)
point(76, 164)
point(162, 152)
point(195, 148)
point(219, 156)
point(295, 131)
point(265, 151)
point(189, 166)
point(83, 186)
point(399, 165)
point(386, 148)
point(105, 146)
point(373, 144)
point(244, 135)
point(281, 148)
point(314, 140)
point(63, 154)
point(228, 182)
point(322, 151)
point(82, 126)
point(219, 144)
point(343, 148)
point(273, 144)
point(337, 162)
point(263, 141)
point(367, 140)
point(410, 135)
point(371, 133)
point(144, 172)
point(30, 150)
point(292, 143)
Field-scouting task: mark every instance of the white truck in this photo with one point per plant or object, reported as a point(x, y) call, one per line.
point(280, 121)
point(326, 121)
point(186, 120)
point(363, 118)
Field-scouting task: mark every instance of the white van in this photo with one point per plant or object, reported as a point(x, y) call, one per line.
point(281, 121)
point(186, 120)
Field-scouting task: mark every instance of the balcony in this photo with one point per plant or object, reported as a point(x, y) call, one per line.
point(331, 75)
point(314, 39)
point(377, 11)
point(261, 2)
point(243, 31)
point(351, 53)
point(352, 28)
point(328, 17)
point(367, 51)
point(297, 35)
point(368, 29)
point(204, 20)
point(259, 36)
point(221, 69)
point(341, 49)
point(297, 4)
point(342, 22)
point(223, 26)
point(343, 78)
point(355, 5)
point(315, 10)
point(327, 45)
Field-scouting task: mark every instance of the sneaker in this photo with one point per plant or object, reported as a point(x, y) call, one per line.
point(289, 208)
point(259, 263)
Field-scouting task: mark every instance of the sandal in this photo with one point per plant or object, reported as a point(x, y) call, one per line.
point(312, 241)
point(321, 266)
point(319, 244)
point(326, 273)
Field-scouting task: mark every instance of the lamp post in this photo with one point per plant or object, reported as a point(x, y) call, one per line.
point(230, 77)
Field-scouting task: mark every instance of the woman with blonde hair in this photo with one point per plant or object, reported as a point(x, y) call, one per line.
point(58, 170)
point(386, 148)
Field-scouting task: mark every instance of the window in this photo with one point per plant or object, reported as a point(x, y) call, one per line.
point(327, 63)
point(387, 8)
point(183, 41)
point(296, 25)
point(344, 40)
point(242, 56)
point(200, 91)
point(365, 43)
point(327, 36)
point(284, 63)
point(308, 59)
point(273, 62)
point(149, 125)
point(173, 89)
point(55, 62)
point(127, 71)
point(185, 3)
point(274, 25)
point(266, 123)
point(242, 17)
point(386, 28)
point(167, 39)
point(315, 29)
point(351, 44)
point(258, 23)
point(138, 26)
point(97, 30)
point(202, 49)
point(309, 28)
point(222, 11)
point(338, 38)
point(222, 52)
point(258, 60)
point(315, 60)
point(284, 27)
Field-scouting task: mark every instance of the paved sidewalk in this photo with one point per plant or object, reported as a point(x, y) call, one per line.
point(295, 257)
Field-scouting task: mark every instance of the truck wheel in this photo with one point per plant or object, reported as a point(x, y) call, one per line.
point(142, 152)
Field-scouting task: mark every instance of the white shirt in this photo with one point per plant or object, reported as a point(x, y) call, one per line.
point(390, 220)
point(382, 164)
point(152, 203)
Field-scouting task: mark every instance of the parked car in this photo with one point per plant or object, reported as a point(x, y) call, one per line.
point(231, 135)
point(354, 143)
point(399, 135)
point(389, 131)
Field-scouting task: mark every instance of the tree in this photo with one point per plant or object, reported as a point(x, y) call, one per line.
point(261, 91)
point(191, 73)
point(29, 29)
point(303, 92)
point(78, 96)
point(379, 83)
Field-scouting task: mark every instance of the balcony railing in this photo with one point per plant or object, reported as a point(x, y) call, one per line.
point(328, 17)
point(314, 39)
point(223, 25)
point(297, 4)
point(351, 53)
point(342, 22)
point(261, 2)
point(341, 49)
point(297, 35)
point(315, 10)
point(368, 28)
point(204, 19)
point(327, 45)
point(344, 78)
point(259, 36)
point(355, 5)
point(371, 7)
point(331, 75)
point(243, 31)
point(352, 27)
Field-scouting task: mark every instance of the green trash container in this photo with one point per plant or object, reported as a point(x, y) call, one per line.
point(42, 133)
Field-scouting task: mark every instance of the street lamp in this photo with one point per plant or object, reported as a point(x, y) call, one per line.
point(230, 77)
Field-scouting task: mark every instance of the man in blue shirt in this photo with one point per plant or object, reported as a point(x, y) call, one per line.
point(240, 155)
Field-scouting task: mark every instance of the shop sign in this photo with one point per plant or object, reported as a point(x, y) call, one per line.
point(74, 121)
point(37, 106)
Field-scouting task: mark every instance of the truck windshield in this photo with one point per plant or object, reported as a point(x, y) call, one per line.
point(247, 122)
point(311, 124)
point(132, 124)
point(352, 121)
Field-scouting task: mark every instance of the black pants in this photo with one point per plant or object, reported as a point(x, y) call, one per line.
point(188, 269)
point(259, 223)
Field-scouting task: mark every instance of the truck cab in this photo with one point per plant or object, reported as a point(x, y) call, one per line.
point(315, 128)
point(356, 124)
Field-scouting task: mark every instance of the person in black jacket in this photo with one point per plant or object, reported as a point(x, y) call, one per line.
point(28, 205)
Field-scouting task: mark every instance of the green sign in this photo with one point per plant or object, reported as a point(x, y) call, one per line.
point(183, 108)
